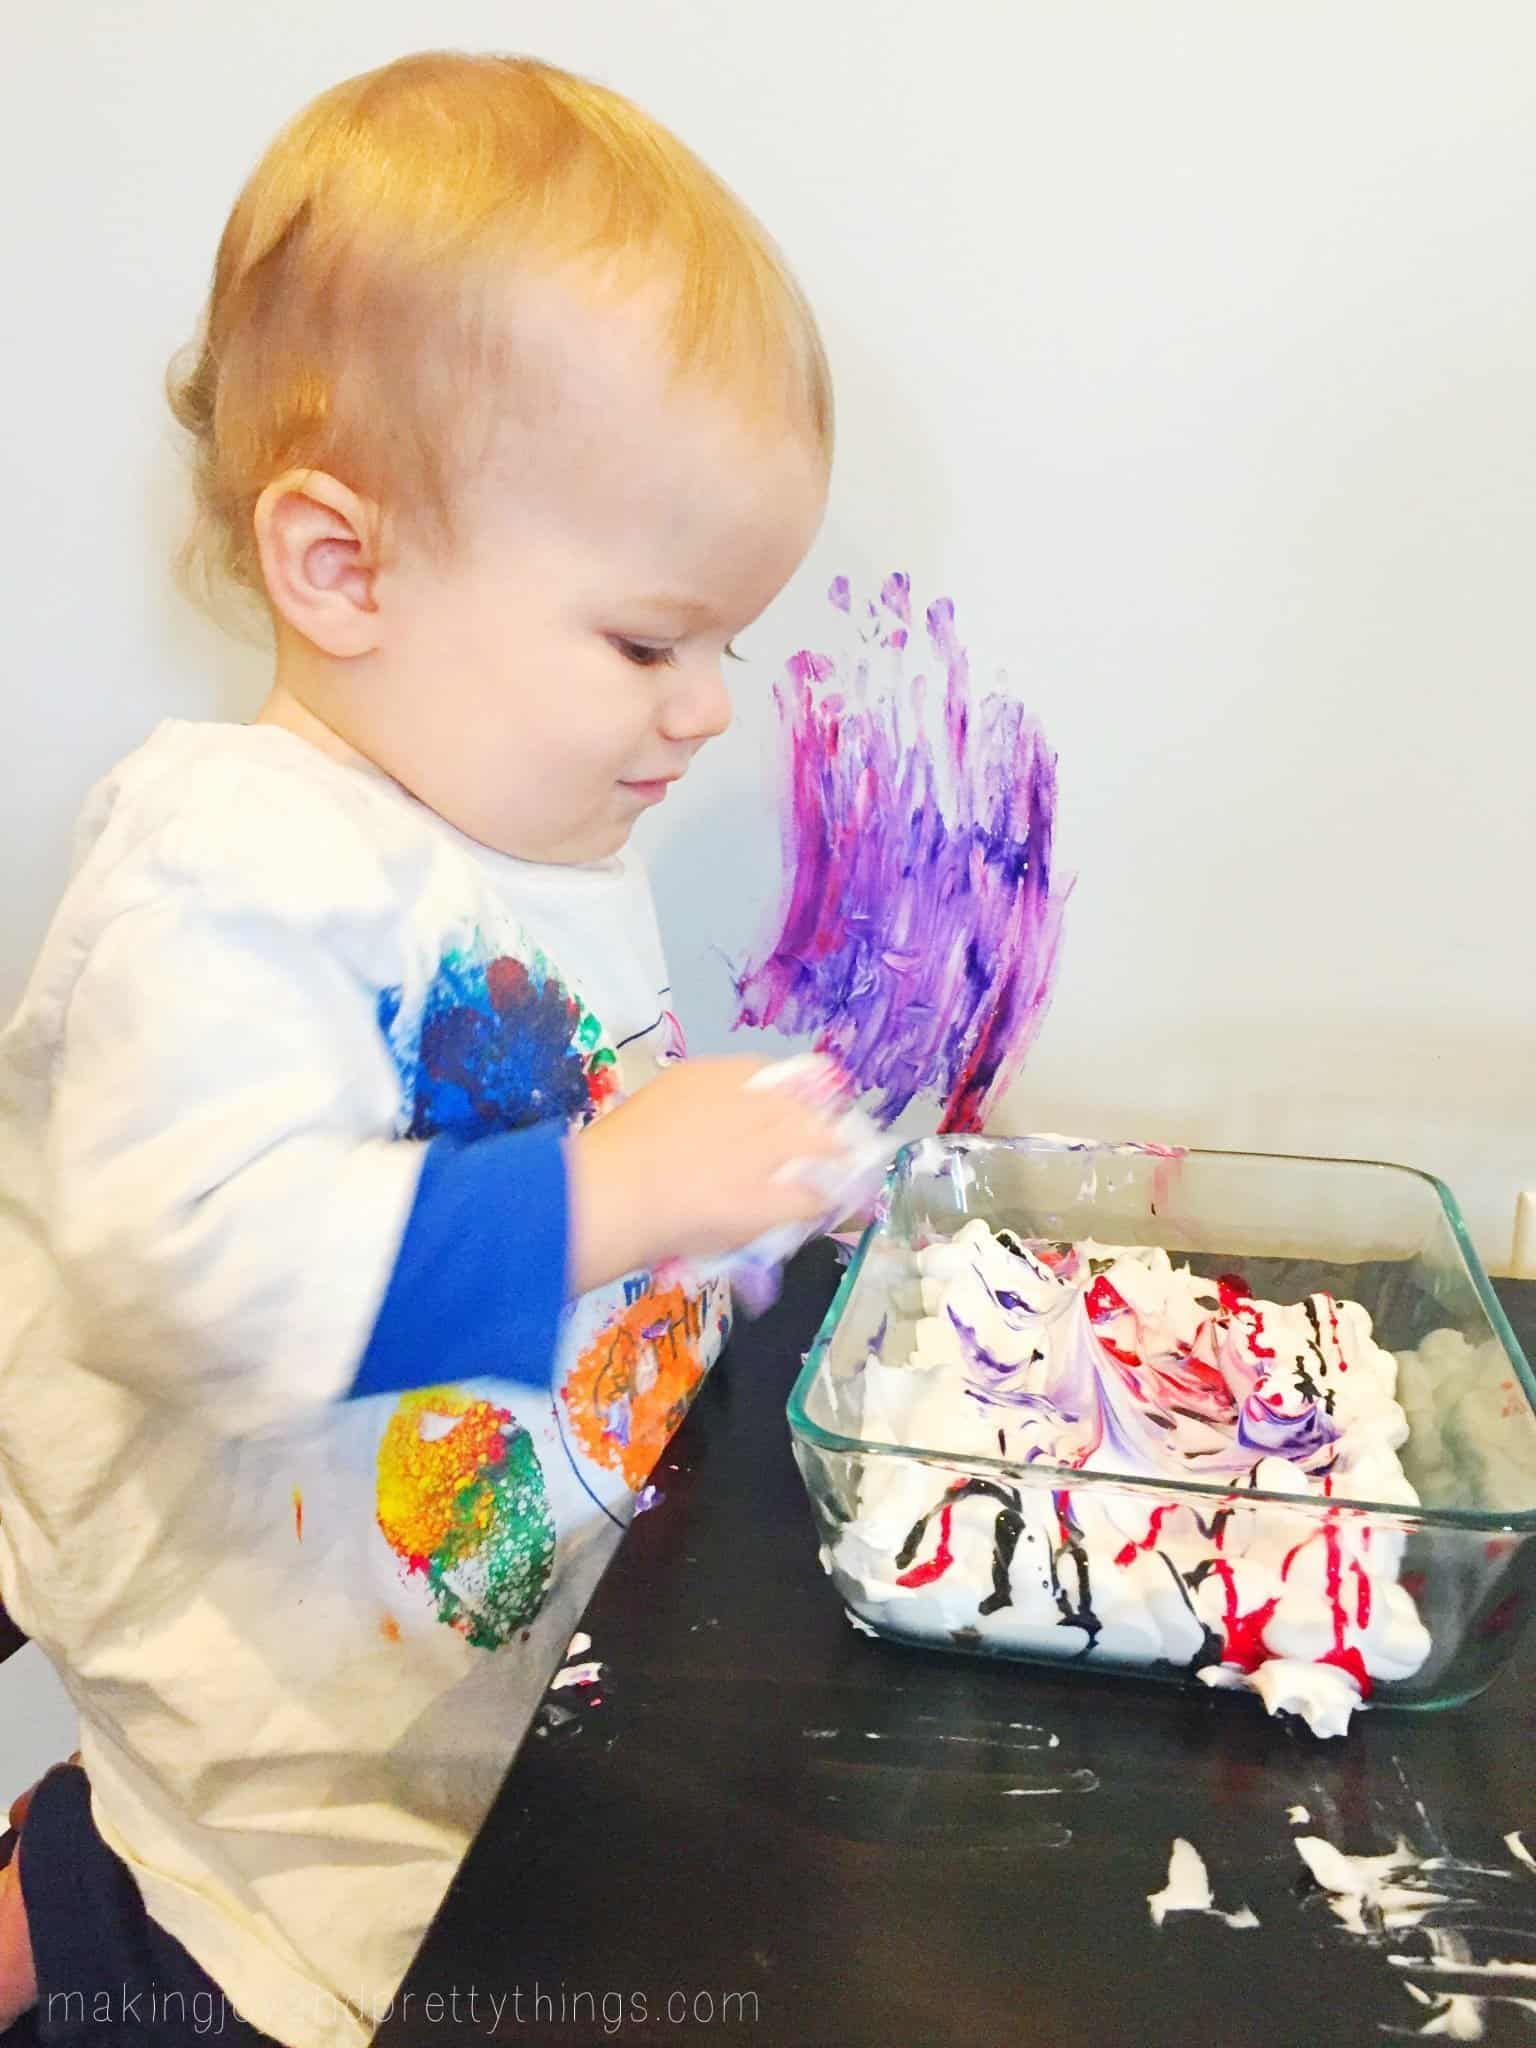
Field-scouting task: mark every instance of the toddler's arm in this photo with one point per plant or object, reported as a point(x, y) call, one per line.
point(240, 1229)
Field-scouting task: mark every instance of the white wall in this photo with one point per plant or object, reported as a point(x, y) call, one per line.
point(1190, 347)
point(38, 1723)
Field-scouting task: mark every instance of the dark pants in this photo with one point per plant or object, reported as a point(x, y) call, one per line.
point(107, 1976)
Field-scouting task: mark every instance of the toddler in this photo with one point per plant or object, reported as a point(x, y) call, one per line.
point(360, 1215)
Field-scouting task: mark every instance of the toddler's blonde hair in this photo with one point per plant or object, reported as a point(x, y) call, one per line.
point(351, 326)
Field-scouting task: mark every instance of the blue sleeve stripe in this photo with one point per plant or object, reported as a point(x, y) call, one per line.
point(479, 1280)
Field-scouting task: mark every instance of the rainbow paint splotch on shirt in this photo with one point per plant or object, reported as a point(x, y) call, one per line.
point(462, 1502)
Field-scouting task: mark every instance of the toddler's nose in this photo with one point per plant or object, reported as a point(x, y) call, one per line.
point(698, 708)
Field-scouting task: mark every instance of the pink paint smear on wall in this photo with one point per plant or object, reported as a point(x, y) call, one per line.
point(920, 923)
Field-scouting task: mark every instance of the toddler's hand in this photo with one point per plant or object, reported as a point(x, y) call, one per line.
point(693, 1165)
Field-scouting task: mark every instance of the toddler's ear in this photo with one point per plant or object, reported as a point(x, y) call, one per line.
point(318, 543)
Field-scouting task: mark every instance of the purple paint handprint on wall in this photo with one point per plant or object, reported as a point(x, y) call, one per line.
point(920, 925)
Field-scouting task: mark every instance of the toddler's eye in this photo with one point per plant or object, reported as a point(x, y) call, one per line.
point(730, 652)
point(641, 654)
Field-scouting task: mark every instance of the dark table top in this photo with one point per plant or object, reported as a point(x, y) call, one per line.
point(764, 1827)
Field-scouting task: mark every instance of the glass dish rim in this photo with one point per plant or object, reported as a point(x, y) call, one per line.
point(1059, 1478)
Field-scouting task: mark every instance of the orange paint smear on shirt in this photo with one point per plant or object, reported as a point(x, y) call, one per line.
point(632, 1385)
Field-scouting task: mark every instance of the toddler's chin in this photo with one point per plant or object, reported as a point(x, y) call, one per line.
point(594, 840)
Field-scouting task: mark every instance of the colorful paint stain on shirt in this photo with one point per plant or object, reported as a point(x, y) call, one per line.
point(462, 1503)
point(499, 1043)
point(631, 1387)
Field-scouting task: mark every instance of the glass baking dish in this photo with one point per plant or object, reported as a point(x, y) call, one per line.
point(1051, 1564)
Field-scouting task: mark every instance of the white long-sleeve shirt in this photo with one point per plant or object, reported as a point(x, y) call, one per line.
point(306, 1473)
